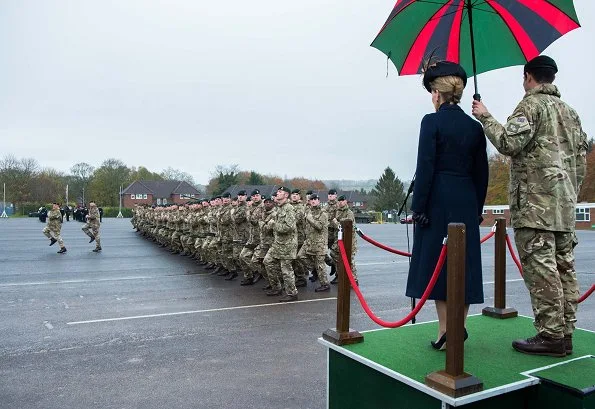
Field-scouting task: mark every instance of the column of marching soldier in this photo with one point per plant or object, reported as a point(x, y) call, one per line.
point(278, 239)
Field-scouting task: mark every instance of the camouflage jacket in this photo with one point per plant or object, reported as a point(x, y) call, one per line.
point(240, 218)
point(316, 225)
point(285, 242)
point(93, 216)
point(266, 229)
point(225, 224)
point(331, 210)
point(300, 210)
point(255, 216)
point(547, 145)
point(54, 220)
point(345, 213)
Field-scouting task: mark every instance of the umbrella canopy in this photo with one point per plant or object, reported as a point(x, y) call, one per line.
point(481, 35)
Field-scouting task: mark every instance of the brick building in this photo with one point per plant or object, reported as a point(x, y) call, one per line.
point(158, 192)
point(585, 215)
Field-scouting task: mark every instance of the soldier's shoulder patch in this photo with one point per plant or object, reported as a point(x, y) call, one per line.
point(517, 125)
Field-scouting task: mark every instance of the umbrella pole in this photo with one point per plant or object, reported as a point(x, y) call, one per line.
point(476, 96)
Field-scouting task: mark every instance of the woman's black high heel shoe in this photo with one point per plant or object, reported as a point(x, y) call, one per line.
point(440, 344)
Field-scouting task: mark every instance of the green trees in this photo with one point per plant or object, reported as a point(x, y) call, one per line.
point(104, 188)
point(388, 192)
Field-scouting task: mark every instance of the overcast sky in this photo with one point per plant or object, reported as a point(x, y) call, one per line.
point(280, 87)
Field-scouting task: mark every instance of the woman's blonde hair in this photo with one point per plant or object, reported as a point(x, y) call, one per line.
point(450, 88)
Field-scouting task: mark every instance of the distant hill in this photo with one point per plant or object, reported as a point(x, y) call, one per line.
point(358, 185)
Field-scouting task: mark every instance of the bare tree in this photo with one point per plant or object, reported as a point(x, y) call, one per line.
point(176, 174)
point(18, 174)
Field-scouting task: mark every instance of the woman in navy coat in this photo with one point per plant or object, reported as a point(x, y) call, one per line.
point(450, 187)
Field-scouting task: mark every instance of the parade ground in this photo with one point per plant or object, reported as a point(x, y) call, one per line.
point(137, 327)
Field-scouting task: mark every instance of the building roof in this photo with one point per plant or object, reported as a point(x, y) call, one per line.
point(161, 189)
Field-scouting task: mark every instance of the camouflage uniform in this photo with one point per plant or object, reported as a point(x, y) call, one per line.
point(342, 214)
point(91, 228)
point(254, 218)
point(311, 254)
point(241, 231)
point(301, 273)
point(278, 260)
point(54, 226)
point(267, 237)
point(548, 147)
point(226, 234)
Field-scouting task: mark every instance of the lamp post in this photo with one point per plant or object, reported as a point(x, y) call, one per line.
point(119, 216)
point(4, 215)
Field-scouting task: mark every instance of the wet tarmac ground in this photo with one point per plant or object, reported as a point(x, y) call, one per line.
point(137, 327)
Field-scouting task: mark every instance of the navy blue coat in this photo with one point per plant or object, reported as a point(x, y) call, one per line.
point(450, 187)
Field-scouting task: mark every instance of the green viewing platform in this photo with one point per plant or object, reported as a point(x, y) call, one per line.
point(388, 369)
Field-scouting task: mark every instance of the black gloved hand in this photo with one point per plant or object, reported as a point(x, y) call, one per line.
point(421, 219)
point(480, 219)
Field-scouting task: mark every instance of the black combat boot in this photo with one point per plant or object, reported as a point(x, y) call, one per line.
point(568, 344)
point(92, 238)
point(541, 345)
point(323, 287)
point(53, 241)
point(232, 275)
point(62, 250)
point(97, 249)
point(288, 298)
point(247, 281)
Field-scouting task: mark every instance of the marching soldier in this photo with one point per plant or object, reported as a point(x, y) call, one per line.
point(344, 213)
point(54, 226)
point(91, 228)
point(283, 251)
point(315, 246)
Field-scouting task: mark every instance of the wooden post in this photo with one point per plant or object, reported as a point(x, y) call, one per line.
point(499, 309)
point(342, 334)
point(454, 381)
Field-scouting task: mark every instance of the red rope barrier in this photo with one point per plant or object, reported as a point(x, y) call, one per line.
point(513, 255)
point(414, 312)
point(587, 294)
point(487, 237)
point(382, 246)
point(518, 263)
point(404, 253)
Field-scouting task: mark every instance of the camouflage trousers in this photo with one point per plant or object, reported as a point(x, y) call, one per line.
point(53, 234)
point(214, 250)
point(227, 254)
point(176, 243)
point(257, 259)
point(246, 261)
point(237, 250)
point(336, 255)
point(92, 230)
point(311, 262)
point(280, 269)
point(198, 246)
point(548, 270)
point(299, 268)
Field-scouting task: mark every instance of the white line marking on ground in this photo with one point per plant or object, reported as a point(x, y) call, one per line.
point(169, 314)
point(76, 281)
point(508, 281)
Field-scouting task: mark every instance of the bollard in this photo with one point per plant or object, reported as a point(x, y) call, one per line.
point(342, 334)
point(453, 380)
point(499, 309)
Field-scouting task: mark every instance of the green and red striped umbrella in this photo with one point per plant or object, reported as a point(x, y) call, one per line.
point(481, 35)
